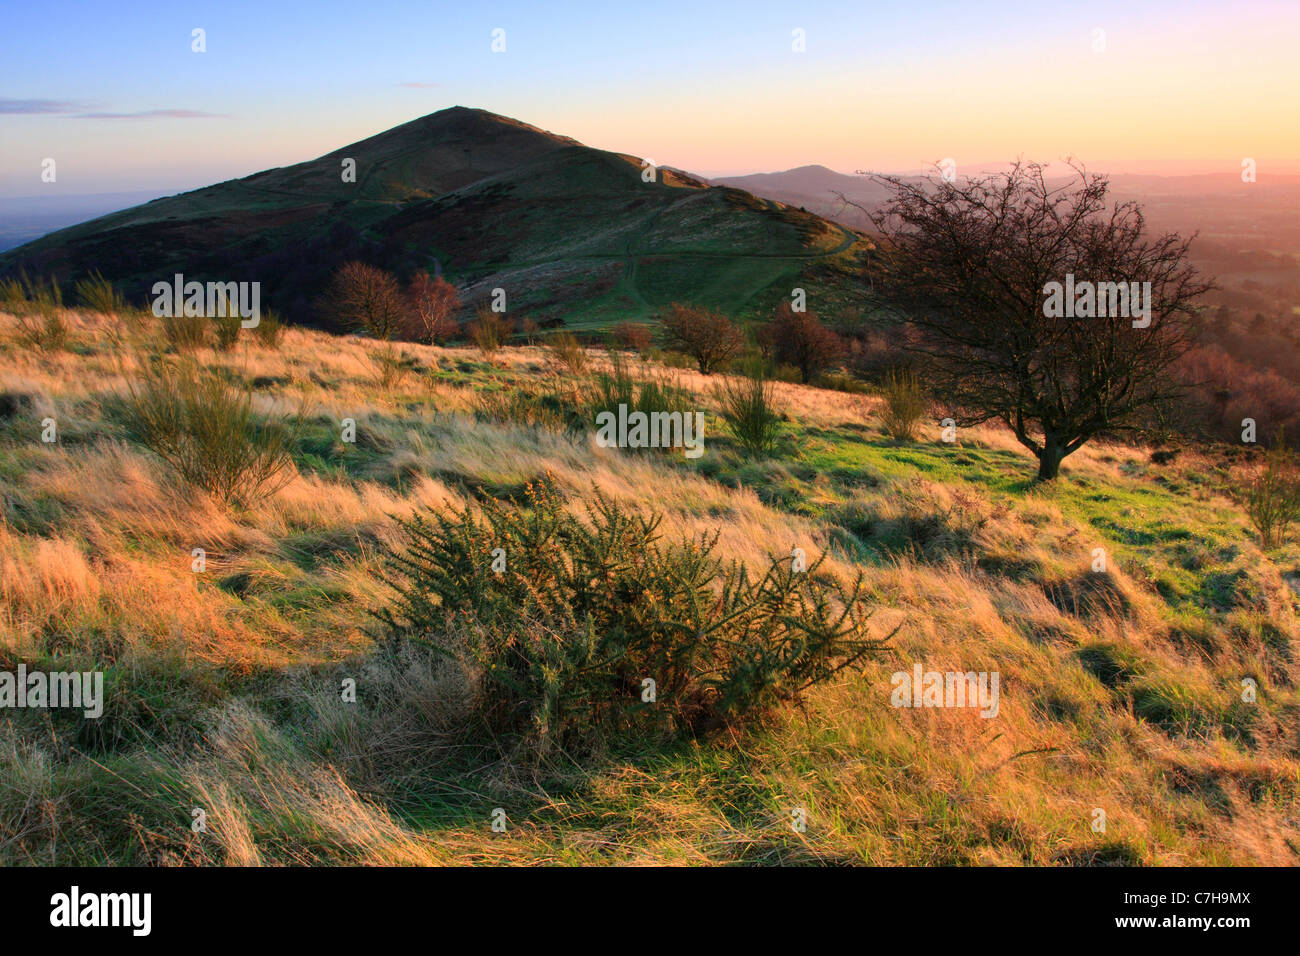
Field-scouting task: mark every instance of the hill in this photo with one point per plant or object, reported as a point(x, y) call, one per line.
point(573, 234)
point(1121, 690)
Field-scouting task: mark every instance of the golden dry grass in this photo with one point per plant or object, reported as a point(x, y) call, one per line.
point(95, 563)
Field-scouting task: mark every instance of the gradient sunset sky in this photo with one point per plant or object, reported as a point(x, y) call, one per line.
point(114, 94)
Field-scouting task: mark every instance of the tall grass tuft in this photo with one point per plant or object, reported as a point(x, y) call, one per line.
point(41, 323)
point(203, 427)
point(489, 330)
point(98, 294)
point(567, 351)
point(269, 330)
point(607, 390)
point(184, 333)
point(1272, 498)
point(748, 410)
point(226, 328)
point(904, 405)
point(392, 366)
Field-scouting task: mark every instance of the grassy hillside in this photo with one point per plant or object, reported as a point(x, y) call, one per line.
point(1120, 690)
point(571, 233)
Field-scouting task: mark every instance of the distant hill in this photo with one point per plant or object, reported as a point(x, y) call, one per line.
point(25, 218)
point(814, 188)
point(571, 233)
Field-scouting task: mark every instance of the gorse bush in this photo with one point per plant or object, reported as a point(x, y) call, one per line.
point(747, 410)
point(563, 627)
point(203, 427)
point(1272, 498)
point(904, 405)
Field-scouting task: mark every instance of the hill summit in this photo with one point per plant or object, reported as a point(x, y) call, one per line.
point(575, 235)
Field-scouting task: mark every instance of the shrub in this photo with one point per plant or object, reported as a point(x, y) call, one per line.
point(269, 330)
point(432, 303)
point(632, 337)
point(799, 339)
point(562, 639)
point(203, 427)
point(1272, 499)
point(747, 410)
point(489, 330)
point(904, 405)
point(363, 297)
point(709, 337)
point(527, 327)
point(565, 349)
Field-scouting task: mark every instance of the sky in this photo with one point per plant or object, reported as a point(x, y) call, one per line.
point(116, 96)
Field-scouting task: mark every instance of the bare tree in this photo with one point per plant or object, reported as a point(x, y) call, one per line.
point(707, 336)
point(362, 296)
point(433, 302)
point(799, 339)
point(1023, 294)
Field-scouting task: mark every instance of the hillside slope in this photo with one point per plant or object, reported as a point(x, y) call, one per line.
point(1121, 691)
point(571, 233)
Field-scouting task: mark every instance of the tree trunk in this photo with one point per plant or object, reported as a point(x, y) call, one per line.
point(1049, 459)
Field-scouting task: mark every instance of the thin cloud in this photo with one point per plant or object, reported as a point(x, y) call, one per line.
point(151, 114)
point(37, 107)
point(80, 109)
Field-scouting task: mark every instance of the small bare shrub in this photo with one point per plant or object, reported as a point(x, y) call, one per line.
point(632, 336)
point(432, 303)
point(489, 330)
point(707, 336)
